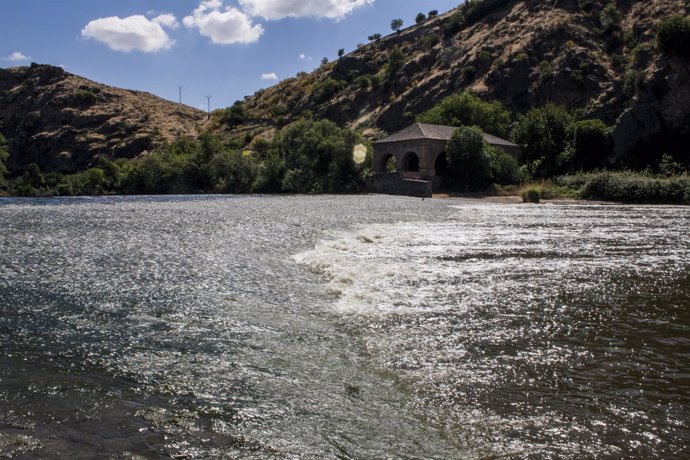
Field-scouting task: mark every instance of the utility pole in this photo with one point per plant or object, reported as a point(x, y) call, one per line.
point(208, 99)
point(180, 88)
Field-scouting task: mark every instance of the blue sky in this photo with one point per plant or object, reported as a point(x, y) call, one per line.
point(223, 48)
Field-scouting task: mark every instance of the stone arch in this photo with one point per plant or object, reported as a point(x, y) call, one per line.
point(441, 164)
point(386, 163)
point(409, 162)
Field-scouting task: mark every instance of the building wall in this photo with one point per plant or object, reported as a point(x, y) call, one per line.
point(426, 150)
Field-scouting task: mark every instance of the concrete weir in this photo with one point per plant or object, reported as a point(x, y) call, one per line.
point(394, 183)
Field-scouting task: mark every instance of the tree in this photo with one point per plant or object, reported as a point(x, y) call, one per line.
point(396, 25)
point(232, 172)
point(542, 134)
point(591, 144)
point(469, 162)
point(420, 18)
point(374, 37)
point(467, 109)
point(432, 14)
point(610, 18)
point(317, 157)
point(341, 52)
point(324, 61)
point(673, 36)
point(235, 115)
point(396, 59)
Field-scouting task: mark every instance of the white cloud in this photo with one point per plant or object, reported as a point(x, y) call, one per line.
point(223, 27)
point(279, 9)
point(167, 20)
point(131, 33)
point(17, 56)
point(269, 76)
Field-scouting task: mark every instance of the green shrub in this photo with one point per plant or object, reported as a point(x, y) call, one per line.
point(363, 81)
point(545, 68)
point(618, 61)
point(431, 40)
point(421, 17)
point(327, 88)
point(483, 58)
point(531, 194)
point(632, 82)
point(235, 114)
point(453, 24)
point(631, 187)
point(468, 72)
point(85, 97)
point(673, 36)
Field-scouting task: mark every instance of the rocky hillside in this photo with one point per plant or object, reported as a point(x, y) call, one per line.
point(599, 56)
point(64, 122)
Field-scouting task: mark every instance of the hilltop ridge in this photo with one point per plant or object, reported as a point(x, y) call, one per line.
point(63, 122)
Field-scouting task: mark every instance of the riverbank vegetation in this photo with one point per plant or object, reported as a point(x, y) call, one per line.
point(306, 157)
point(563, 154)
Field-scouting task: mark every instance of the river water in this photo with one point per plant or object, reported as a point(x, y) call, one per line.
point(342, 327)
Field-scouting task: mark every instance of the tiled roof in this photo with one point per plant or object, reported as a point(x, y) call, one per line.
point(419, 131)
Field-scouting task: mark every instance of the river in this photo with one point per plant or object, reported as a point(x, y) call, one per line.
point(342, 327)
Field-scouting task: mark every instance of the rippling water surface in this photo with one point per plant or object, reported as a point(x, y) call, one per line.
point(342, 327)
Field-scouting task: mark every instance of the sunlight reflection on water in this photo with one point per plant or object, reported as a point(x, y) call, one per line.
point(365, 327)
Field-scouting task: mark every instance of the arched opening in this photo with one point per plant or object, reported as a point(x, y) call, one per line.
point(410, 162)
point(387, 163)
point(390, 164)
point(441, 164)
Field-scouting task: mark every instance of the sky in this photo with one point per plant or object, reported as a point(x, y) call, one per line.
point(226, 49)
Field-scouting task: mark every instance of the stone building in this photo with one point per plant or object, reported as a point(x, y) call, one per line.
point(417, 154)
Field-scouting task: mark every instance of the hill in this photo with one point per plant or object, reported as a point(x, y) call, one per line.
point(600, 57)
point(64, 122)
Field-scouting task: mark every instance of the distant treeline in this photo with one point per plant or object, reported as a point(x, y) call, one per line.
point(306, 157)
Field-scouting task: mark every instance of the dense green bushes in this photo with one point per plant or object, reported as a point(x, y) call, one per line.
point(630, 187)
point(306, 157)
point(318, 158)
point(466, 109)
